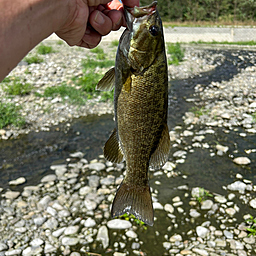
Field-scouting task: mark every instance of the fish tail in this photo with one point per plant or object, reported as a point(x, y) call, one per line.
point(136, 200)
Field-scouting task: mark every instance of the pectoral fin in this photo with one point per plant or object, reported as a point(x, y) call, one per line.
point(107, 82)
point(112, 149)
point(160, 156)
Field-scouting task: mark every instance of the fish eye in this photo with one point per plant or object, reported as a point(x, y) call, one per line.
point(153, 30)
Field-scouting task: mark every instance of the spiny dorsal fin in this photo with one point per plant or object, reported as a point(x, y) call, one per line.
point(112, 150)
point(160, 156)
point(107, 81)
point(136, 200)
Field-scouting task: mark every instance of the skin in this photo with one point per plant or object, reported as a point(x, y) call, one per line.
point(25, 23)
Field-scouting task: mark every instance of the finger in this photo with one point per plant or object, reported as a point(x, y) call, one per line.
point(96, 2)
point(91, 38)
point(131, 3)
point(100, 22)
point(117, 19)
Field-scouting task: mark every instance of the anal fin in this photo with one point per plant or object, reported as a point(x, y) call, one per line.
point(112, 149)
point(136, 200)
point(160, 155)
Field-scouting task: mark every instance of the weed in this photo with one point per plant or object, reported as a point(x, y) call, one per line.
point(10, 115)
point(133, 218)
point(203, 194)
point(114, 43)
point(92, 64)
point(199, 111)
point(252, 228)
point(60, 42)
point(100, 53)
point(176, 52)
point(44, 49)
point(251, 43)
point(16, 86)
point(33, 59)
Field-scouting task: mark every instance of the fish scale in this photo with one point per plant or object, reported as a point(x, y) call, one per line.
point(141, 136)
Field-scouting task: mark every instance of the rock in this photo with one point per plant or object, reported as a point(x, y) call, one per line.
point(157, 206)
point(97, 166)
point(51, 211)
point(77, 155)
point(228, 234)
point(13, 252)
point(49, 178)
point(167, 245)
point(94, 181)
point(119, 254)
point(195, 192)
point(175, 238)
point(110, 180)
point(103, 236)
point(220, 243)
point(39, 221)
point(249, 240)
point(119, 224)
point(48, 248)
point(221, 148)
point(51, 223)
point(75, 254)
point(69, 241)
point(200, 252)
point(253, 203)
point(3, 247)
point(194, 213)
point(11, 195)
point(90, 205)
point(89, 223)
point(169, 208)
point(180, 154)
point(206, 205)
point(242, 160)
point(131, 234)
point(36, 242)
point(58, 232)
point(230, 211)
point(135, 246)
point(43, 203)
point(71, 230)
point(202, 231)
point(220, 199)
point(234, 244)
point(169, 166)
point(18, 181)
point(84, 191)
point(237, 186)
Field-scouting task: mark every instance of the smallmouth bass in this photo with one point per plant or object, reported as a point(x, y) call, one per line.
point(141, 136)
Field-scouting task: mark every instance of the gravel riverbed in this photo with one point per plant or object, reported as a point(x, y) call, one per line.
point(68, 212)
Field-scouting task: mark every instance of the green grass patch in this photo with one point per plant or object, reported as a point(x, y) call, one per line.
point(252, 229)
point(16, 86)
point(100, 55)
point(44, 49)
point(92, 64)
point(176, 52)
point(33, 59)
point(114, 43)
point(203, 195)
point(10, 115)
point(199, 111)
point(250, 43)
point(134, 219)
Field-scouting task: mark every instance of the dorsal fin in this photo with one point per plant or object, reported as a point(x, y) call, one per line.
point(112, 149)
point(160, 155)
point(107, 81)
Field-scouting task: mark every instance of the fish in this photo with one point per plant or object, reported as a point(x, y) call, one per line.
point(141, 135)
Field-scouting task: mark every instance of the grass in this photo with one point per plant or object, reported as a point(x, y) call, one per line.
point(114, 43)
point(100, 55)
point(251, 43)
point(44, 49)
point(16, 86)
point(203, 194)
point(33, 59)
point(252, 229)
point(133, 218)
point(176, 52)
point(199, 111)
point(10, 115)
point(82, 87)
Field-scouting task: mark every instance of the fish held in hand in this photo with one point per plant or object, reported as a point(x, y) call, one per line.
point(141, 136)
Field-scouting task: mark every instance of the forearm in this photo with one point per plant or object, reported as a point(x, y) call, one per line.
point(23, 24)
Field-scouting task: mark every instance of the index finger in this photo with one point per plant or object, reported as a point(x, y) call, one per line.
point(131, 3)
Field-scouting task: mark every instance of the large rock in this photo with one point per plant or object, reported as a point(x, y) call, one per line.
point(103, 236)
point(119, 224)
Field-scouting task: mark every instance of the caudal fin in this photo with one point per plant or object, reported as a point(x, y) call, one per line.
point(136, 200)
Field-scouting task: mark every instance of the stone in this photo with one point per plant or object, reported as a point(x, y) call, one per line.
point(157, 206)
point(119, 254)
point(89, 223)
point(167, 245)
point(71, 230)
point(18, 181)
point(230, 211)
point(131, 234)
point(135, 246)
point(237, 186)
point(94, 181)
point(90, 205)
point(169, 208)
point(221, 148)
point(110, 180)
point(234, 244)
point(49, 178)
point(220, 243)
point(180, 154)
point(97, 166)
point(84, 190)
point(48, 248)
point(206, 205)
point(253, 203)
point(200, 252)
point(119, 224)
point(36, 242)
point(220, 199)
point(13, 252)
point(202, 231)
point(39, 221)
point(194, 213)
point(51, 211)
point(169, 166)
point(175, 238)
point(70, 241)
point(77, 155)
point(43, 203)
point(228, 234)
point(242, 160)
point(249, 240)
point(11, 195)
point(3, 247)
point(58, 232)
point(51, 223)
point(103, 236)
point(75, 254)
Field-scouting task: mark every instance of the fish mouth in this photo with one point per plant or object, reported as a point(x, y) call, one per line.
point(138, 12)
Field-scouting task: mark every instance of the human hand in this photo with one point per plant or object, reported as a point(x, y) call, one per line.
point(89, 20)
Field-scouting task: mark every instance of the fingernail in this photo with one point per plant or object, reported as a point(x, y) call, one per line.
point(119, 21)
point(99, 18)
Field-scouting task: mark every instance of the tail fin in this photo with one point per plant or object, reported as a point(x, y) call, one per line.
point(136, 200)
